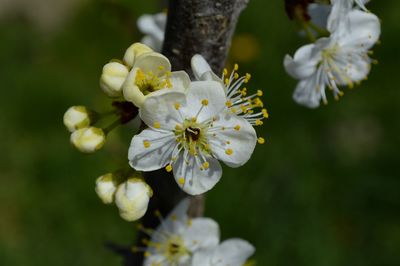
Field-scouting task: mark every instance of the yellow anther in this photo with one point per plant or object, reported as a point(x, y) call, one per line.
point(156, 125)
point(236, 67)
point(236, 75)
point(204, 102)
point(259, 93)
point(341, 93)
point(194, 119)
point(237, 127)
point(243, 91)
point(177, 106)
point(160, 68)
point(206, 165)
point(226, 81)
point(261, 140)
point(233, 110)
point(228, 142)
point(146, 143)
point(181, 180)
point(259, 122)
point(229, 151)
point(178, 127)
point(265, 113)
point(225, 72)
point(168, 168)
point(247, 78)
point(228, 104)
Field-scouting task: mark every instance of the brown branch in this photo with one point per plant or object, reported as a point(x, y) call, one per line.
point(194, 26)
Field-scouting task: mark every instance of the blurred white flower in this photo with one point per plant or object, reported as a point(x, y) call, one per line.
point(77, 117)
point(189, 133)
point(341, 59)
point(132, 198)
point(106, 186)
point(88, 140)
point(153, 26)
point(151, 72)
point(231, 252)
point(177, 238)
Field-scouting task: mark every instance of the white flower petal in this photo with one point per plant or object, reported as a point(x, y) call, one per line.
point(199, 91)
point(192, 179)
point(232, 146)
point(233, 252)
point(152, 42)
point(303, 64)
point(153, 62)
point(201, 233)
point(362, 30)
point(180, 81)
point(307, 94)
point(160, 108)
point(151, 150)
point(199, 66)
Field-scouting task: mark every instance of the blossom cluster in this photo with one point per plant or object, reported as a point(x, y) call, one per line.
point(181, 240)
point(190, 125)
point(340, 57)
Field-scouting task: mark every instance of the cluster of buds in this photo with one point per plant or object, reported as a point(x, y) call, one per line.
point(130, 194)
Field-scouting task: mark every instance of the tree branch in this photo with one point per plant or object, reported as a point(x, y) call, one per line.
point(205, 27)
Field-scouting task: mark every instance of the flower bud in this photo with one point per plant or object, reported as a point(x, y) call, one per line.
point(76, 117)
point(89, 139)
point(134, 51)
point(106, 185)
point(132, 198)
point(112, 78)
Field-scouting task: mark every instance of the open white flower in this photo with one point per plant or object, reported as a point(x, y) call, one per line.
point(153, 26)
point(189, 133)
point(231, 252)
point(152, 72)
point(238, 102)
point(178, 237)
point(115, 72)
point(132, 198)
point(341, 59)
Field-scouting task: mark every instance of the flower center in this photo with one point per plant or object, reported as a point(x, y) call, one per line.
point(175, 249)
point(149, 82)
point(192, 136)
point(193, 133)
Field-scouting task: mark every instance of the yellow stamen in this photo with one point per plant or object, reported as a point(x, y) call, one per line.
point(204, 102)
point(146, 143)
point(156, 125)
point(177, 106)
point(168, 168)
point(181, 180)
point(206, 165)
point(229, 151)
point(261, 140)
point(237, 127)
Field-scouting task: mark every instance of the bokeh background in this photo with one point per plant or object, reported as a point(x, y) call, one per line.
point(322, 191)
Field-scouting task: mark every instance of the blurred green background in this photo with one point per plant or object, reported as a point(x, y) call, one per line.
point(322, 191)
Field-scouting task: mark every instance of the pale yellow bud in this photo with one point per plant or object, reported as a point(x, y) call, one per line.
point(134, 51)
point(88, 140)
point(76, 117)
point(112, 78)
point(132, 198)
point(106, 185)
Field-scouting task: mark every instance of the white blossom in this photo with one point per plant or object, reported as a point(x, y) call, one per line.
point(77, 117)
point(341, 59)
point(88, 140)
point(340, 10)
point(132, 198)
point(231, 252)
point(189, 133)
point(153, 26)
point(152, 72)
point(178, 237)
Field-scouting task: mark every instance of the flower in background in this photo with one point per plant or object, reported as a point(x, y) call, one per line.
point(231, 252)
point(178, 237)
point(153, 26)
point(238, 102)
point(341, 59)
point(189, 133)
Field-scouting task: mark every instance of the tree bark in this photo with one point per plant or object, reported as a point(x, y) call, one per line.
point(194, 27)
